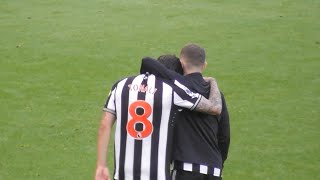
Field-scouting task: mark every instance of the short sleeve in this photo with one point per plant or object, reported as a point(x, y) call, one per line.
point(183, 97)
point(110, 103)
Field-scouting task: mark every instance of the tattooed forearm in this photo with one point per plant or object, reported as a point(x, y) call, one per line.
point(213, 105)
point(205, 106)
point(215, 95)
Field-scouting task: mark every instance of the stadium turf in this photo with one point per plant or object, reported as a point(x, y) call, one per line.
point(59, 58)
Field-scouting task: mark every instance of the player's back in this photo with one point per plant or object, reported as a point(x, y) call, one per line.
point(200, 129)
point(143, 134)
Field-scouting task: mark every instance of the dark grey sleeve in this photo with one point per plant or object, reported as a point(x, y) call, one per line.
point(224, 130)
point(154, 67)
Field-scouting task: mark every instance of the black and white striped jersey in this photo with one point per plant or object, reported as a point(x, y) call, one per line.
point(145, 108)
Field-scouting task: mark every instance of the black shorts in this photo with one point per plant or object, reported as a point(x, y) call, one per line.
point(188, 175)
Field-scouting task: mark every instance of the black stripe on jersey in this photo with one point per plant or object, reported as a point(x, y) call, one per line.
point(196, 104)
point(114, 87)
point(210, 170)
point(178, 164)
point(173, 114)
point(195, 167)
point(123, 130)
point(157, 114)
point(138, 143)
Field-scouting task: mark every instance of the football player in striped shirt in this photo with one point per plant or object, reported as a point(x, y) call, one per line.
point(201, 141)
point(145, 109)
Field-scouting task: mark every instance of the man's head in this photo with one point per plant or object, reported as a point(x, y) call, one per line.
point(171, 62)
point(193, 58)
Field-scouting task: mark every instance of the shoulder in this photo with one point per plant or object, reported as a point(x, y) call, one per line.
point(123, 80)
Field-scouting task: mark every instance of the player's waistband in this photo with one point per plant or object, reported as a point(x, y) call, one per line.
point(203, 169)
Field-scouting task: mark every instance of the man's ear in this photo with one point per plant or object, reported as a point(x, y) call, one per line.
point(204, 66)
point(182, 63)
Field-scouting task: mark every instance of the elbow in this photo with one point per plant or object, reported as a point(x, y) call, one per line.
point(102, 129)
point(219, 110)
point(216, 110)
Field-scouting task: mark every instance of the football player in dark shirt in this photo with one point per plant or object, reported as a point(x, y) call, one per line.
point(201, 141)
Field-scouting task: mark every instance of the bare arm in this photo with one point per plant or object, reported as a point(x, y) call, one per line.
point(215, 95)
point(213, 105)
point(107, 122)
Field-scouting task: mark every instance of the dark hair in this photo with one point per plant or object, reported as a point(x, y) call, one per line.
point(193, 54)
point(171, 62)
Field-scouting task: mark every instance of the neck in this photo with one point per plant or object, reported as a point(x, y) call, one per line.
point(190, 71)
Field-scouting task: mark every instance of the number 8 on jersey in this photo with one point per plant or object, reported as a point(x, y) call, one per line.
point(142, 118)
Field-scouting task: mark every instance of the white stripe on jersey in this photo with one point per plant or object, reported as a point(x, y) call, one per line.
point(166, 109)
point(216, 172)
point(203, 169)
point(187, 166)
point(146, 143)
point(128, 165)
point(180, 102)
point(190, 93)
point(118, 127)
point(174, 174)
point(111, 106)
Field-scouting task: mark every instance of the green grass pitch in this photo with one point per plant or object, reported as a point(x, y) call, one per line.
point(59, 58)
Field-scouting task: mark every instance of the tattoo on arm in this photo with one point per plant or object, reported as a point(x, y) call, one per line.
point(215, 96)
point(213, 105)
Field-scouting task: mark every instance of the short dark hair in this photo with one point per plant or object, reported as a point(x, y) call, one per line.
point(194, 54)
point(171, 62)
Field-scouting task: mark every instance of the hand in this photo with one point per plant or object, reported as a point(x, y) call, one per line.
point(102, 173)
point(209, 79)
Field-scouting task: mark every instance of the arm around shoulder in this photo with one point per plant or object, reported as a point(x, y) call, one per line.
point(213, 105)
